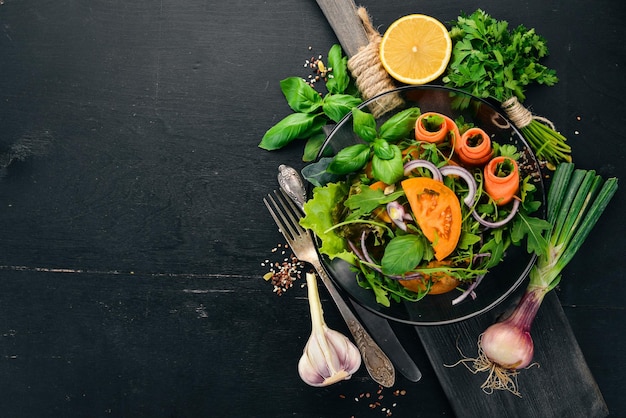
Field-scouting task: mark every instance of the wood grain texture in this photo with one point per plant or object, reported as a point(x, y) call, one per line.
point(343, 19)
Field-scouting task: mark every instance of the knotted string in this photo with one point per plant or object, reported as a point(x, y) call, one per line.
point(520, 116)
point(371, 78)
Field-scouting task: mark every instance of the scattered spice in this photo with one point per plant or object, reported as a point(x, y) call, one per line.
point(282, 274)
point(379, 402)
point(319, 71)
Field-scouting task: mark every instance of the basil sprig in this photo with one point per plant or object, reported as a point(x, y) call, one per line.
point(312, 110)
point(379, 145)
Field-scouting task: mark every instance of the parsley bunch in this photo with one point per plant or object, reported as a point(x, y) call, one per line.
point(490, 61)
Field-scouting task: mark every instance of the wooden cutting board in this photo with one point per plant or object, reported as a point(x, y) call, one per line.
point(560, 386)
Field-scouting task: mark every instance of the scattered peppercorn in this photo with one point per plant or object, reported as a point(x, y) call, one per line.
point(379, 403)
point(318, 68)
point(282, 274)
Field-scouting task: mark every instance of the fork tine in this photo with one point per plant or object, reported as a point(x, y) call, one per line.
point(278, 214)
point(273, 209)
point(294, 214)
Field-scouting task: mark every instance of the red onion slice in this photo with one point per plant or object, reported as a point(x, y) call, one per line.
point(412, 165)
point(397, 214)
point(469, 291)
point(500, 223)
point(453, 170)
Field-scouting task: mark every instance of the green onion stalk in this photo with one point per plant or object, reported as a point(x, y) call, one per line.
point(576, 199)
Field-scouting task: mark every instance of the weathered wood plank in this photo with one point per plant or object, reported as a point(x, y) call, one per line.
point(561, 385)
point(347, 25)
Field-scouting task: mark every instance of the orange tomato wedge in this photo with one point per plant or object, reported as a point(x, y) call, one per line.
point(437, 211)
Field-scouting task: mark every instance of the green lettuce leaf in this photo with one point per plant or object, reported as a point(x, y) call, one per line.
point(319, 218)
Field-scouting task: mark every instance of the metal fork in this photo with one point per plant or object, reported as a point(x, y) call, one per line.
point(286, 216)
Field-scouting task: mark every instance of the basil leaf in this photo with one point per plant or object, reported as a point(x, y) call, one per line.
point(300, 96)
point(313, 146)
point(336, 106)
point(350, 159)
point(388, 171)
point(316, 173)
point(339, 80)
point(402, 254)
point(294, 126)
point(364, 125)
point(399, 125)
point(382, 149)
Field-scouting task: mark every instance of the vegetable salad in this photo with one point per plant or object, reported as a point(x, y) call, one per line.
point(415, 215)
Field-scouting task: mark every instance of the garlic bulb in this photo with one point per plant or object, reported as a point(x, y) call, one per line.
point(329, 356)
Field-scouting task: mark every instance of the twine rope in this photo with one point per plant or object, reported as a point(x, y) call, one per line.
point(521, 116)
point(371, 78)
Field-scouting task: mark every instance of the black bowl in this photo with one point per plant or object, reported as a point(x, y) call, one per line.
point(501, 280)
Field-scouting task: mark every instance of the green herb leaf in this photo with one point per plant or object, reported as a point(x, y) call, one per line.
point(495, 247)
point(467, 240)
point(488, 60)
point(390, 170)
point(319, 217)
point(402, 254)
point(336, 106)
point(364, 125)
point(316, 174)
point(399, 125)
point(300, 96)
point(313, 145)
point(293, 126)
point(350, 159)
point(382, 149)
point(531, 228)
point(372, 282)
point(339, 80)
point(367, 200)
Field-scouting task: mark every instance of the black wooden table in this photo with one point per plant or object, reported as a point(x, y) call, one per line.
point(134, 238)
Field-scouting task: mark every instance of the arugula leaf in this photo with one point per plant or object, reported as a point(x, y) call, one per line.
point(371, 282)
point(495, 247)
point(402, 254)
point(367, 200)
point(300, 96)
point(467, 240)
point(293, 126)
point(531, 228)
